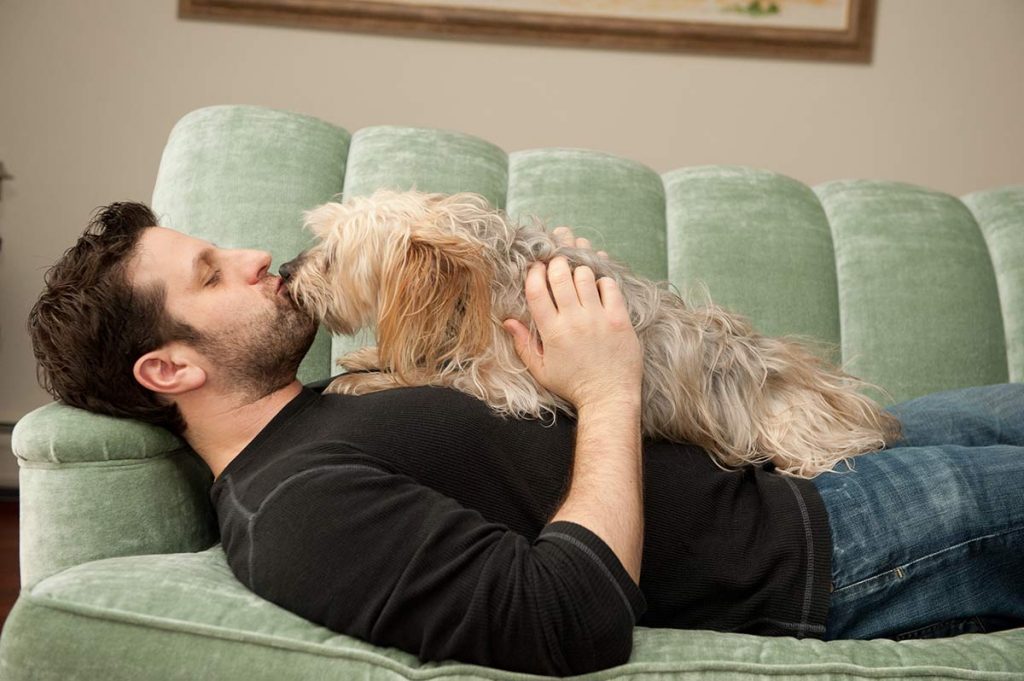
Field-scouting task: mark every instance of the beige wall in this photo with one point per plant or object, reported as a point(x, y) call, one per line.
point(89, 90)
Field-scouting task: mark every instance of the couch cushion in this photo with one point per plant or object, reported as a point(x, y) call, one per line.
point(56, 434)
point(918, 296)
point(760, 242)
point(184, 616)
point(616, 203)
point(998, 213)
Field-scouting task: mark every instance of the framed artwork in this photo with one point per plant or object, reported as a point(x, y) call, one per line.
point(835, 30)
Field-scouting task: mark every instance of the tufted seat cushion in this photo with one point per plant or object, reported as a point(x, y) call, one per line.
point(166, 608)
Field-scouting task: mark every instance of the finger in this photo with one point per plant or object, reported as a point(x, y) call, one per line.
point(563, 236)
point(583, 243)
point(529, 352)
point(602, 255)
point(586, 287)
point(611, 298)
point(538, 300)
point(563, 288)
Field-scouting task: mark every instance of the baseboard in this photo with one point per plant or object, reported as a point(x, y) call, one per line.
point(8, 464)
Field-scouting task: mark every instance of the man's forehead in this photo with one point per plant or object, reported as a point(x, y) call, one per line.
point(165, 256)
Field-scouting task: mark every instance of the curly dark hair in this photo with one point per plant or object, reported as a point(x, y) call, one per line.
point(90, 325)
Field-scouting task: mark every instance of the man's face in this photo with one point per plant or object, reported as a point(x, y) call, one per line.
point(250, 330)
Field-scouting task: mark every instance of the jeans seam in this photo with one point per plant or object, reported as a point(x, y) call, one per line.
point(936, 626)
point(899, 569)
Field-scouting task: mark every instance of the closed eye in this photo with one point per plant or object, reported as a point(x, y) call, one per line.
point(213, 280)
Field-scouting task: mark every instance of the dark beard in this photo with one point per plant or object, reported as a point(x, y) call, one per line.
point(263, 355)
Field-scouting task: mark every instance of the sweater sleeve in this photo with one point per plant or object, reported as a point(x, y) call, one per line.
point(380, 557)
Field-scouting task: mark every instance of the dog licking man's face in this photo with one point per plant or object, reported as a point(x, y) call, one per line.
point(307, 280)
point(250, 334)
point(337, 281)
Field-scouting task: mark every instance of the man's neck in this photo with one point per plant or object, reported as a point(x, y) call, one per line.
point(219, 428)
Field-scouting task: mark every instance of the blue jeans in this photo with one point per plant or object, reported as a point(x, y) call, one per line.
point(928, 534)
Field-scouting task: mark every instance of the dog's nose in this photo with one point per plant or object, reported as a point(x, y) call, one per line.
point(288, 269)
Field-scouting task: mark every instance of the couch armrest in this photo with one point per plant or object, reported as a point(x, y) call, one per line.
point(94, 486)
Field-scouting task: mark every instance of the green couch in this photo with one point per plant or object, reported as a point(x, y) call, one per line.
point(122, 575)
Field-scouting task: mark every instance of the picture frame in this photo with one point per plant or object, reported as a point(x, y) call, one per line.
point(829, 30)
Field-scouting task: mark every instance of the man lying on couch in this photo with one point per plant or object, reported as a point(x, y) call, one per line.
point(415, 518)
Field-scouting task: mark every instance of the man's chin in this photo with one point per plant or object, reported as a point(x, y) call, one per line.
point(264, 355)
point(302, 330)
point(307, 341)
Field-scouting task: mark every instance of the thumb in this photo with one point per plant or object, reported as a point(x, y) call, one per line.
point(521, 339)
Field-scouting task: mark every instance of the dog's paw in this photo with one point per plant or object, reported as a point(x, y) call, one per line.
point(345, 384)
point(361, 383)
point(363, 359)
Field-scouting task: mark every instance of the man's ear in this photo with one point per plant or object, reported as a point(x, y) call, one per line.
point(170, 370)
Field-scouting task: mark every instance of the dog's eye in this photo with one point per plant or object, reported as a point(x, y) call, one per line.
point(213, 280)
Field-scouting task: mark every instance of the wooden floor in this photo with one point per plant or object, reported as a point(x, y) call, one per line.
point(9, 578)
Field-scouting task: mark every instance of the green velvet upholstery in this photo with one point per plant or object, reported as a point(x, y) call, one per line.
point(616, 203)
point(761, 244)
point(998, 215)
point(93, 487)
point(183, 616)
point(122, 575)
point(916, 288)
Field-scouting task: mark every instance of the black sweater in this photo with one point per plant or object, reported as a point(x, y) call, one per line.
point(416, 518)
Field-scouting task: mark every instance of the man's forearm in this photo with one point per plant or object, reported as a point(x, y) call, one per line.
point(588, 353)
point(606, 492)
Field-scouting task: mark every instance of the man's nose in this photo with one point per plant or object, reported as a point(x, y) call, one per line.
point(256, 268)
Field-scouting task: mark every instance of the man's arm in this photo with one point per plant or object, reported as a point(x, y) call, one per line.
point(376, 555)
point(605, 494)
point(589, 354)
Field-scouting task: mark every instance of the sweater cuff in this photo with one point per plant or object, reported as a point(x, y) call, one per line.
point(597, 551)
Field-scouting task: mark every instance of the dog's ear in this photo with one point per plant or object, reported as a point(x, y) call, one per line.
point(435, 301)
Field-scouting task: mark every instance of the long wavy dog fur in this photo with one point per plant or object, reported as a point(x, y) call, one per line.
point(434, 275)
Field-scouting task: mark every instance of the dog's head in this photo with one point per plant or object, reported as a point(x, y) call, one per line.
point(408, 264)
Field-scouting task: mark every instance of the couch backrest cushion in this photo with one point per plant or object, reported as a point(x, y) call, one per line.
point(918, 301)
point(916, 290)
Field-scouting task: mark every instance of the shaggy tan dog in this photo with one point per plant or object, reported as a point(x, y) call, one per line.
point(434, 275)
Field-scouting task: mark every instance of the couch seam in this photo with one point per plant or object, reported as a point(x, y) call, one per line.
point(101, 463)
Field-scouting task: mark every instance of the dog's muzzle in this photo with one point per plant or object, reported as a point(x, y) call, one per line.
point(287, 269)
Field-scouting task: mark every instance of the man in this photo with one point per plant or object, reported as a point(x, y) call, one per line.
point(415, 518)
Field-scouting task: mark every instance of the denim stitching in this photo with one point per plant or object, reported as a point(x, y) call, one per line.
point(899, 569)
point(929, 629)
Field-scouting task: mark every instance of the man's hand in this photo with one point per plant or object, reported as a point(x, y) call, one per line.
point(565, 237)
point(588, 351)
point(589, 354)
